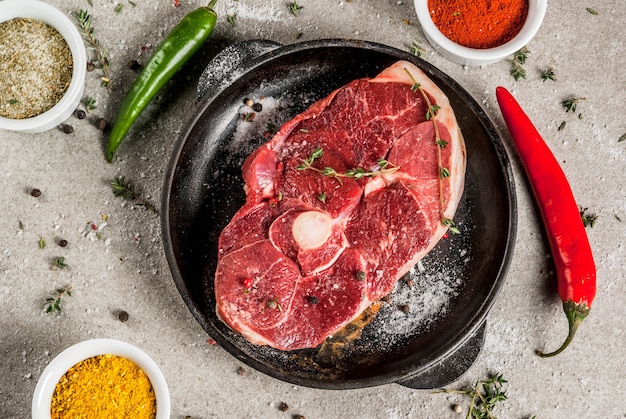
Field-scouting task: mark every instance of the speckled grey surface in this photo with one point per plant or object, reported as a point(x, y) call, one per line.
point(125, 268)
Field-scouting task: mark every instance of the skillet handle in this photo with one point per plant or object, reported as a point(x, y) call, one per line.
point(452, 367)
point(230, 63)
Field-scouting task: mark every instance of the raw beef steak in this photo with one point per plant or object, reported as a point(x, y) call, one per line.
point(340, 204)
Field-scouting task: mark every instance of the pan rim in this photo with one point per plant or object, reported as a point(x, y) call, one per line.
point(473, 324)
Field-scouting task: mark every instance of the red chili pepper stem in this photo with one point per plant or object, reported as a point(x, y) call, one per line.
point(575, 313)
point(569, 245)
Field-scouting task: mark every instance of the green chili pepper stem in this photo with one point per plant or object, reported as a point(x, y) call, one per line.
point(175, 50)
point(575, 313)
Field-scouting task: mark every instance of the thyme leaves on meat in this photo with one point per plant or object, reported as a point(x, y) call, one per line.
point(127, 190)
point(384, 167)
point(444, 172)
point(449, 223)
point(84, 23)
point(484, 396)
point(53, 303)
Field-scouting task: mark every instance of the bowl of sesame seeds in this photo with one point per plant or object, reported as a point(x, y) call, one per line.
point(43, 64)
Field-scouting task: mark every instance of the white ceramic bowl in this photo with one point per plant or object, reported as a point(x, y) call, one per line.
point(473, 56)
point(42, 398)
point(34, 9)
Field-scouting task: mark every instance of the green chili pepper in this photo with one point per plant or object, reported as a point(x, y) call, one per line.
point(175, 50)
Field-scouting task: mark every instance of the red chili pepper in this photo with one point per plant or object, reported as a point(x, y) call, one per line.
point(247, 282)
point(569, 245)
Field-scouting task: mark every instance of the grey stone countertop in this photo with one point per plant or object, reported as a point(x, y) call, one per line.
point(124, 266)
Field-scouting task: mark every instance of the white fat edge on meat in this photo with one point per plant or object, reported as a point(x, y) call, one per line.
point(445, 115)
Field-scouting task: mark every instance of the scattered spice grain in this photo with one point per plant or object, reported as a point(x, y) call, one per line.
point(134, 65)
point(122, 316)
point(479, 23)
point(36, 67)
point(101, 124)
point(104, 386)
point(35, 193)
point(62, 243)
point(67, 129)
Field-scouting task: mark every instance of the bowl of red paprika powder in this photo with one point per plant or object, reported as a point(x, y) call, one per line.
point(101, 378)
point(479, 32)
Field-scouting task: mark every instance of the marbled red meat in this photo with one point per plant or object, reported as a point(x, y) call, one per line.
point(308, 252)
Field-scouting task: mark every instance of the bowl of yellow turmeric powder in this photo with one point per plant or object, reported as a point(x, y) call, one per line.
point(101, 378)
point(479, 32)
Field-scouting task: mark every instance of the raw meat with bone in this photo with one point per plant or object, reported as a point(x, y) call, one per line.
point(310, 250)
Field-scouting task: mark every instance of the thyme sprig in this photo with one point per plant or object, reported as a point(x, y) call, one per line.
point(53, 303)
point(571, 103)
point(416, 48)
point(294, 8)
point(519, 60)
point(484, 396)
point(84, 23)
point(548, 75)
point(59, 263)
point(384, 167)
point(90, 103)
point(127, 190)
point(444, 172)
point(588, 219)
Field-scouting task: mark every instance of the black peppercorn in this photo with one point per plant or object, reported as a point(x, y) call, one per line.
point(283, 407)
point(313, 299)
point(257, 107)
point(134, 65)
point(68, 129)
point(101, 124)
point(35, 192)
point(62, 243)
point(80, 114)
point(91, 66)
point(122, 316)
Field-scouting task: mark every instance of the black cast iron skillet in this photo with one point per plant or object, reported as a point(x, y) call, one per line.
point(203, 189)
